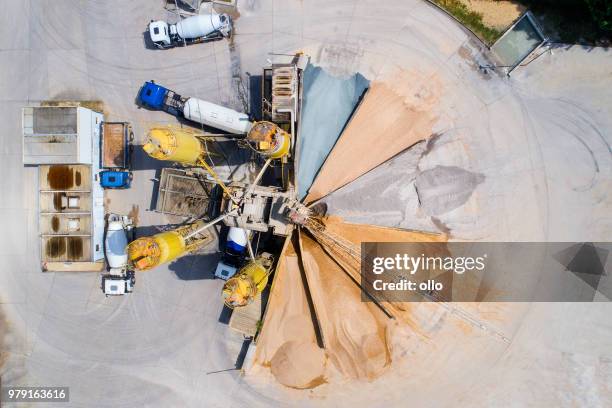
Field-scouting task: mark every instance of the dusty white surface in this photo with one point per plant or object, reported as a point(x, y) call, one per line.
point(535, 137)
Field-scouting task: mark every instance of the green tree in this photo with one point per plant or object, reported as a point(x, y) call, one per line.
point(601, 10)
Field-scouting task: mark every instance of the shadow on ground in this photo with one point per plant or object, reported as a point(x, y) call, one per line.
point(142, 161)
point(195, 267)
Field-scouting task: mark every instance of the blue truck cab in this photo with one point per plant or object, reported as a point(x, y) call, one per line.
point(152, 95)
point(117, 179)
point(156, 97)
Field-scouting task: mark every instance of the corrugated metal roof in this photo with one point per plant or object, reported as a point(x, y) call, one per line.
point(51, 135)
point(54, 120)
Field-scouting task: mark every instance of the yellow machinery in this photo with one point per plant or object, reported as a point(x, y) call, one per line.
point(269, 140)
point(148, 252)
point(241, 289)
point(184, 146)
point(189, 148)
point(174, 144)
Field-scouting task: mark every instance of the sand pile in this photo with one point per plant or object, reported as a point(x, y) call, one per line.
point(356, 336)
point(358, 233)
point(391, 118)
point(299, 364)
point(314, 290)
point(287, 343)
point(353, 332)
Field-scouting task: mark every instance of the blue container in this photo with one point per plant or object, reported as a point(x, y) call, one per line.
point(152, 95)
point(115, 179)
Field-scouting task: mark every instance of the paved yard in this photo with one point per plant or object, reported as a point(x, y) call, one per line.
point(539, 143)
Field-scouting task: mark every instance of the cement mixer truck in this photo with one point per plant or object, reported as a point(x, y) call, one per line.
point(191, 30)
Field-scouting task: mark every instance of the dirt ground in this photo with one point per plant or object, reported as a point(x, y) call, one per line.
point(498, 14)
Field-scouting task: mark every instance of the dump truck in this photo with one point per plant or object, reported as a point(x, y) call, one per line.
point(116, 151)
point(191, 30)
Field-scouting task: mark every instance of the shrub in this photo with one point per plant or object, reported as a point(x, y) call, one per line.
point(601, 11)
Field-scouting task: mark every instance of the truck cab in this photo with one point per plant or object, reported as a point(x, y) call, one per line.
point(115, 179)
point(157, 97)
point(152, 96)
point(160, 33)
point(118, 285)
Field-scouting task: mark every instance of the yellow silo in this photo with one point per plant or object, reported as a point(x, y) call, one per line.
point(173, 144)
point(269, 139)
point(241, 289)
point(148, 252)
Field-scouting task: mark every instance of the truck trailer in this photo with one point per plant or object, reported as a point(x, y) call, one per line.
point(191, 30)
point(157, 97)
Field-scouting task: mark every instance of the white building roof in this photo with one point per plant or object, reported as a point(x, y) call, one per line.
point(57, 135)
point(67, 140)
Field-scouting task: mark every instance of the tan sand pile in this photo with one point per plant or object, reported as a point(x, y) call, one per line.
point(287, 342)
point(354, 332)
point(299, 364)
point(393, 116)
point(358, 233)
point(356, 335)
point(499, 14)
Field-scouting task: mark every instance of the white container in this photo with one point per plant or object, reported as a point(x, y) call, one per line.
point(116, 244)
point(238, 236)
point(216, 116)
point(203, 25)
